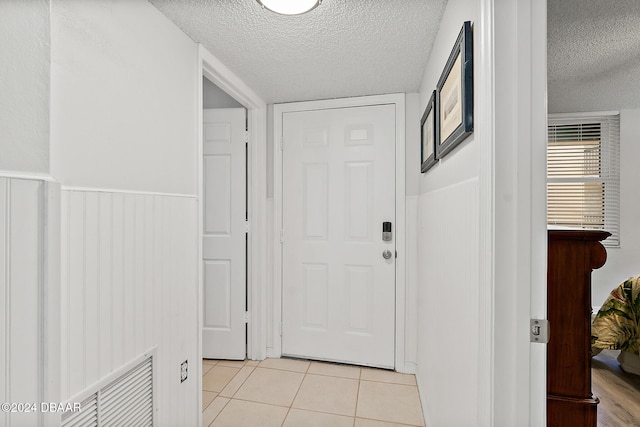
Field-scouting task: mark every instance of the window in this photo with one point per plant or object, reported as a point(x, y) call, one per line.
point(583, 172)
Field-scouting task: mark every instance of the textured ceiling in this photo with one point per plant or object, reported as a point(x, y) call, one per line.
point(593, 54)
point(341, 48)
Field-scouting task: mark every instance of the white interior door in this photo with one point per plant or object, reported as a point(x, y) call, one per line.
point(224, 234)
point(338, 291)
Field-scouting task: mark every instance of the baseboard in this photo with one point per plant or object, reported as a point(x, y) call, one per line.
point(409, 368)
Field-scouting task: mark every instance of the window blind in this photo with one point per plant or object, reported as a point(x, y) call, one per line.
point(583, 173)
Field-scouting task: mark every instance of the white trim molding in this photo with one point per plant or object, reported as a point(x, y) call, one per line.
point(516, 246)
point(584, 114)
point(398, 100)
point(485, 135)
point(27, 175)
point(51, 264)
point(536, 156)
point(138, 193)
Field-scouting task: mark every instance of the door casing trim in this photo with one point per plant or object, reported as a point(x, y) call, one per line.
point(398, 100)
point(210, 67)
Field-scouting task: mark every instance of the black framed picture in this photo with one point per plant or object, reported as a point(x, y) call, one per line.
point(454, 95)
point(429, 135)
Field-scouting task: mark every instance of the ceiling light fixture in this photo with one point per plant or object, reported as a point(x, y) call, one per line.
point(290, 7)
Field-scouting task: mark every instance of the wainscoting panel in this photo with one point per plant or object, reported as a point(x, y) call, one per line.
point(448, 272)
point(20, 228)
point(129, 282)
point(25, 313)
point(411, 296)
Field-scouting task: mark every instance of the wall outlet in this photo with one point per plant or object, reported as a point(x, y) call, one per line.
point(184, 371)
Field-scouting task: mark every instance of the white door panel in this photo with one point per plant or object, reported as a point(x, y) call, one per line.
point(223, 242)
point(338, 189)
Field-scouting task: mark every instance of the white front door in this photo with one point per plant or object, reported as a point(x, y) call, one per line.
point(224, 234)
point(338, 291)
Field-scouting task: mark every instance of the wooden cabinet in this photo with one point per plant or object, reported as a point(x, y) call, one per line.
point(572, 255)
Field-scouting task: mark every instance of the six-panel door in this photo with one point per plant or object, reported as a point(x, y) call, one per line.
point(224, 234)
point(338, 189)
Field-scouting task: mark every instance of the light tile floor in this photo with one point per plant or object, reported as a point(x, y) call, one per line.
point(299, 393)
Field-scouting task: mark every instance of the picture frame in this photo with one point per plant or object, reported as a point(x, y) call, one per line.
point(429, 135)
point(454, 94)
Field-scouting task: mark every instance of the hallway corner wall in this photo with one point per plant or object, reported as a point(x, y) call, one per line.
point(124, 114)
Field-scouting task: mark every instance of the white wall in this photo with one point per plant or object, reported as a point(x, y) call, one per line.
point(412, 175)
point(270, 151)
point(623, 262)
point(214, 97)
point(448, 258)
point(413, 111)
point(124, 110)
point(123, 98)
point(24, 85)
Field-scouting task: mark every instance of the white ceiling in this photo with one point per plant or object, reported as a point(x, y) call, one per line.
point(341, 48)
point(593, 55)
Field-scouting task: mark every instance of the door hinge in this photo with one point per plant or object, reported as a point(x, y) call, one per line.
point(280, 331)
point(539, 331)
point(246, 226)
point(247, 316)
point(246, 137)
point(281, 235)
point(281, 144)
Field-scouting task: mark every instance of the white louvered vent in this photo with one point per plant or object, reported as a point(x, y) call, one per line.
point(85, 418)
point(126, 401)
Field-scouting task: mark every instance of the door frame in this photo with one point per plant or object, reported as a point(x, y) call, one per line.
point(210, 67)
point(511, 129)
point(400, 303)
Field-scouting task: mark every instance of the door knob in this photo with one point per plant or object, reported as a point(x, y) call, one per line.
point(386, 254)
